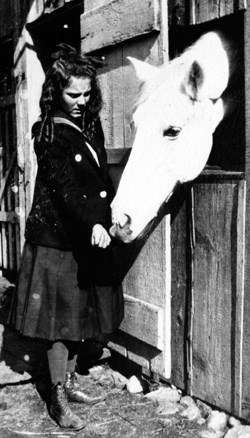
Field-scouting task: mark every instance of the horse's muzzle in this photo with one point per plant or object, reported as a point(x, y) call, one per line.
point(123, 233)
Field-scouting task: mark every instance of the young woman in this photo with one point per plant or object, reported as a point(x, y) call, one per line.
point(66, 289)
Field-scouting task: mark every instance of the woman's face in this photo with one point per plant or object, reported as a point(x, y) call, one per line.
point(76, 95)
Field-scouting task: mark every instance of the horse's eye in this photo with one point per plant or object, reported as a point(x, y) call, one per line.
point(171, 132)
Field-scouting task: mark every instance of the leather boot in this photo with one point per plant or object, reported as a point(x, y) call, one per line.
point(75, 395)
point(60, 410)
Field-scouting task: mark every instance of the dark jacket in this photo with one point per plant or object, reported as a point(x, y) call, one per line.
point(72, 194)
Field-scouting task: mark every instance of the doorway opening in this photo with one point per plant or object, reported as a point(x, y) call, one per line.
point(60, 26)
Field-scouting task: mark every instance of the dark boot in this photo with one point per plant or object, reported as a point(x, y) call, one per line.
point(75, 395)
point(60, 410)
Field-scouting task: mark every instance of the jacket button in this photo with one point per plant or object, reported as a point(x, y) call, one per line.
point(78, 158)
point(103, 194)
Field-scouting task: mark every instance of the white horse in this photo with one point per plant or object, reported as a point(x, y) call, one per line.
point(178, 110)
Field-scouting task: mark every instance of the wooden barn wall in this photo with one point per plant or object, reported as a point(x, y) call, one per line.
point(122, 34)
point(210, 337)
point(217, 293)
point(184, 12)
point(246, 324)
point(207, 295)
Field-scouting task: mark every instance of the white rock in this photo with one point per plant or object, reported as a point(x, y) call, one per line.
point(96, 372)
point(217, 420)
point(211, 434)
point(201, 421)
point(234, 422)
point(238, 432)
point(119, 380)
point(192, 413)
point(187, 401)
point(167, 408)
point(134, 385)
point(205, 409)
point(163, 393)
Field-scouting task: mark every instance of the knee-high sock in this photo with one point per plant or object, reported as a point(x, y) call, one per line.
point(57, 353)
point(71, 364)
point(73, 348)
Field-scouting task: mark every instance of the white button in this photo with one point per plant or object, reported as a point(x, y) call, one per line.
point(103, 194)
point(78, 157)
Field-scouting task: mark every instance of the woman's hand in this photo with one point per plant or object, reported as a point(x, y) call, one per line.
point(100, 236)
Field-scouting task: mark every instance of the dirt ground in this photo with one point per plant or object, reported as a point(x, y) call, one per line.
point(23, 412)
point(24, 394)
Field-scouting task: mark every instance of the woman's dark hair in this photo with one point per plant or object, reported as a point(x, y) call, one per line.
point(68, 62)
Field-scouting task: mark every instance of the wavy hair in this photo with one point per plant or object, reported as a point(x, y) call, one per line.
point(68, 62)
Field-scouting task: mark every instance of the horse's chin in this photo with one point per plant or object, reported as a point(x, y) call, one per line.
point(127, 235)
point(122, 232)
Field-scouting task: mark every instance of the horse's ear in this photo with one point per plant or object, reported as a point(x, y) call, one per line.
point(193, 82)
point(208, 68)
point(143, 70)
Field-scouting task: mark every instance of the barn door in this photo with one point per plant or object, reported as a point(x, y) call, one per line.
point(116, 29)
point(9, 221)
point(208, 238)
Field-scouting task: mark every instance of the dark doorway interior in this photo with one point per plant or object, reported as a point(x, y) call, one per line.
point(62, 25)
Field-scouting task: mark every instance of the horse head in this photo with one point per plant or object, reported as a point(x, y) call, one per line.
point(177, 112)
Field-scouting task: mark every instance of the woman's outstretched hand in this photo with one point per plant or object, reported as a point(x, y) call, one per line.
point(100, 236)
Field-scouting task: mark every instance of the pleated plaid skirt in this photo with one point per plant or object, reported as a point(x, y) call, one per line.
point(48, 303)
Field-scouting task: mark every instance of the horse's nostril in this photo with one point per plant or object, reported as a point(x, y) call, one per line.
point(127, 223)
point(122, 230)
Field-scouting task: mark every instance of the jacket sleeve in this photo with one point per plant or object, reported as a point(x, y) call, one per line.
point(67, 194)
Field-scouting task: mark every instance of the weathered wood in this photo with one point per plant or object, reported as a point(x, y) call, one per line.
point(111, 81)
point(116, 22)
point(206, 11)
point(92, 4)
point(246, 326)
point(120, 89)
point(117, 155)
point(132, 348)
point(217, 292)
point(239, 302)
point(143, 320)
point(183, 13)
point(179, 297)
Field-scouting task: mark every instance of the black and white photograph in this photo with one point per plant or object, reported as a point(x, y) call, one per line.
point(125, 218)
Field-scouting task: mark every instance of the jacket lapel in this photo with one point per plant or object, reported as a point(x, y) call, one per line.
point(81, 145)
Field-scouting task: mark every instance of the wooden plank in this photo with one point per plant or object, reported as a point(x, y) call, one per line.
point(118, 155)
point(246, 337)
point(120, 88)
point(205, 11)
point(91, 4)
point(182, 13)
point(111, 82)
point(134, 349)
point(217, 325)
point(179, 297)
point(146, 279)
point(144, 321)
point(239, 301)
point(117, 21)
